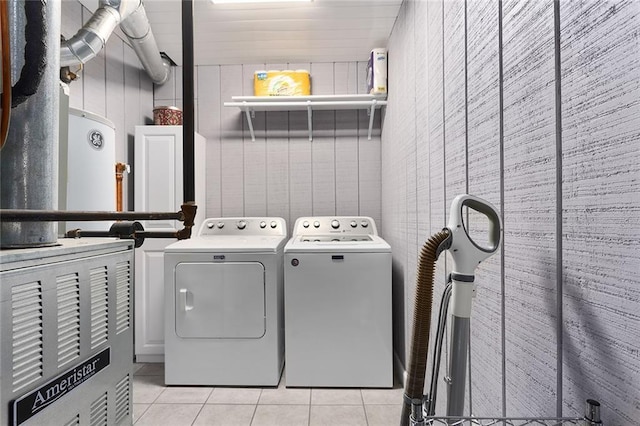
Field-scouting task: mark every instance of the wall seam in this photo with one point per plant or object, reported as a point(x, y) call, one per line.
point(502, 251)
point(466, 172)
point(559, 260)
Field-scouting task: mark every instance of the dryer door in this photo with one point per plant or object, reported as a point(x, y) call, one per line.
point(220, 300)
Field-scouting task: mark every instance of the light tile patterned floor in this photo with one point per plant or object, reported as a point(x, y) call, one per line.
point(156, 404)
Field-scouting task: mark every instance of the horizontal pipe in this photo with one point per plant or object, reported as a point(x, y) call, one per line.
point(17, 215)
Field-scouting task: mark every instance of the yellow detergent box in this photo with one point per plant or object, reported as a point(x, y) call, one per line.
point(282, 83)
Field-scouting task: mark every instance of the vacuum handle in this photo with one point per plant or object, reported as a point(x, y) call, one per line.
point(184, 304)
point(466, 252)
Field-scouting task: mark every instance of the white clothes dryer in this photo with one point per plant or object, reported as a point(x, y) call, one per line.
point(338, 307)
point(224, 304)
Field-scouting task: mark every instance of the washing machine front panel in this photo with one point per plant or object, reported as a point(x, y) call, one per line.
point(224, 300)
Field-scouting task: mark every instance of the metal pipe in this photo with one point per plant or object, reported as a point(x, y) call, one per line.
point(188, 124)
point(15, 215)
point(458, 365)
point(437, 351)
point(132, 18)
point(29, 159)
point(592, 415)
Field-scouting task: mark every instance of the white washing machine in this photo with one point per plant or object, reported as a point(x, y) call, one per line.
point(338, 320)
point(224, 304)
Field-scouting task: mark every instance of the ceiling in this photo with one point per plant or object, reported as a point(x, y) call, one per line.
point(274, 33)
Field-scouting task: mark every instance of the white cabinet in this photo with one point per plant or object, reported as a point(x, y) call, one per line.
point(159, 188)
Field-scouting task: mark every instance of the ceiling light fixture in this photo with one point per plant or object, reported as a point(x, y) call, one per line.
point(256, 1)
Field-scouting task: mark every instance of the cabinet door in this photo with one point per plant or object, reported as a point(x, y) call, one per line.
point(158, 173)
point(149, 298)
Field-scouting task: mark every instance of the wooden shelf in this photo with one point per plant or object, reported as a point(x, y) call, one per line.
point(250, 104)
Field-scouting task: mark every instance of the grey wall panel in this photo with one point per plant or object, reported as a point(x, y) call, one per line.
point(255, 158)
point(601, 207)
point(530, 207)
point(70, 24)
point(484, 180)
point(232, 144)
point(131, 102)
point(300, 162)
point(94, 80)
point(145, 107)
point(323, 145)
point(277, 125)
point(209, 110)
point(167, 91)
point(346, 147)
point(114, 51)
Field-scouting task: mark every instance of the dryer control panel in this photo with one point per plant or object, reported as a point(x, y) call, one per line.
point(273, 226)
point(329, 225)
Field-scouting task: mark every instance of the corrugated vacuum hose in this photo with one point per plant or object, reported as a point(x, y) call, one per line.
point(413, 393)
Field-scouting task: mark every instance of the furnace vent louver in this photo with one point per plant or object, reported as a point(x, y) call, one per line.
point(74, 421)
point(26, 308)
point(98, 411)
point(68, 288)
point(122, 399)
point(123, 296)
point(99, 306)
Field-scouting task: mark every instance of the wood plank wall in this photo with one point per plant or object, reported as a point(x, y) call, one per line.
point(282, 173)
point(535, 106)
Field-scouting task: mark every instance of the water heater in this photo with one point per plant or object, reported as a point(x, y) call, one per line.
point(87, 168)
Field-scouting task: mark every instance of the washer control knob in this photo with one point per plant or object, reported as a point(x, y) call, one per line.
point(263, 224)
point(364, 224)
point(242, 224)
point(210, 225)
point(353, 223)
point(316, 224)
point(335, 224)
point(220, 225)
point(305, 224)
point(273, 224)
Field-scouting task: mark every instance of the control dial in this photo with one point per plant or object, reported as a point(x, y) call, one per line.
point(364, 224)
point(316, 224)
point(242, 224)
point(220, 225)
point(305, 224)
point(263, 224)
point(210, 225)
point(273, 224)
point(335, 224)
point(353, 223)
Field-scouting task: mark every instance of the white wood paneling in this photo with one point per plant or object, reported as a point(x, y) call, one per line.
point(232, 144)
point(277, 125)
point(93, 79)
point(484, 181)
point(319, 31)
point(209, 110)
point(346, 142)
point(530, 208)
point(300, 162)
point(323, 145)
point(601, 207)
point(255, 158)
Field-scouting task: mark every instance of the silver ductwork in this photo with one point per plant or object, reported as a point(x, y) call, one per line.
point(133, 21)
point(29, 158)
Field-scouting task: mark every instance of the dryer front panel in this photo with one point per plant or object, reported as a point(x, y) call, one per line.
point(220, 300)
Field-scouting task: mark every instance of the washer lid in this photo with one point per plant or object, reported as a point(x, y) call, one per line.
point(228, 244)
point(337, 244)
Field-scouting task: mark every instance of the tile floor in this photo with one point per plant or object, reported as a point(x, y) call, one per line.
point(155, 404)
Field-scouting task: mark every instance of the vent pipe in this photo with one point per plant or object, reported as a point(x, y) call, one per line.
point(133, 21)
point(29, 159)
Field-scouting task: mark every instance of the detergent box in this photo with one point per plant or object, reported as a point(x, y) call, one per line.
point(377, 72)
point(282, 83)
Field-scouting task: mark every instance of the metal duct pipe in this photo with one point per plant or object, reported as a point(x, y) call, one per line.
point(133, 21)
point(29, 159)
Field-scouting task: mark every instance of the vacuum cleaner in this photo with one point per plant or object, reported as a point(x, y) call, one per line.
point(467, 254)
point(458, 295)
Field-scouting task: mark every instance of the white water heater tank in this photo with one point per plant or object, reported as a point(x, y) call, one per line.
point(89, 172)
